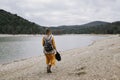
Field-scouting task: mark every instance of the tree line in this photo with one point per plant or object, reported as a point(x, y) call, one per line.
point(110, 28)
point(14, 24)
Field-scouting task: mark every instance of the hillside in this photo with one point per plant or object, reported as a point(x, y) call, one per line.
point(14, 24)
point(96, 27)
point(95, 23)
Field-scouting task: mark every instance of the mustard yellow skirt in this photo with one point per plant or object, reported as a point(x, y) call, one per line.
point(50, 59)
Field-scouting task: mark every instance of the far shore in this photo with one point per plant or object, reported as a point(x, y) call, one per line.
point(98, 61)
point(25, 35)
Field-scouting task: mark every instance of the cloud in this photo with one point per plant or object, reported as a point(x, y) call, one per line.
point(64, 12)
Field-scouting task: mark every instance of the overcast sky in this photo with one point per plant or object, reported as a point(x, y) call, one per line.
point(64, 12)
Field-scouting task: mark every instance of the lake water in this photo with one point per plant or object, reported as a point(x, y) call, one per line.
point(20, 47)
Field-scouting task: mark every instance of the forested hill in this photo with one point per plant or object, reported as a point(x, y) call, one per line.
point(95, 27)
point(14, 24)
point(95, 23)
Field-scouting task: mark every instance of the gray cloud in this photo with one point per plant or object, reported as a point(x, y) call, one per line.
point(64, 12)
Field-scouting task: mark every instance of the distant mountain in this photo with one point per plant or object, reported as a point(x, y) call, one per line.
point(14, 24)
point(90, 24)
point(96, 23)
point(96, 27)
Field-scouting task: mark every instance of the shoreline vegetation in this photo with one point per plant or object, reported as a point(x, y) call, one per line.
point(98, 61)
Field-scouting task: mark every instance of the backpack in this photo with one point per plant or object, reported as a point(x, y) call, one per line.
point(48, 44)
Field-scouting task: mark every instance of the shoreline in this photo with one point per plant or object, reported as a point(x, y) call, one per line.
point(100, 60)
point(7, 35)
point(108, 36)
point(25, 35)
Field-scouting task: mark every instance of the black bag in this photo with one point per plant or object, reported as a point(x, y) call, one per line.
point(57, 56)
point(48, 45)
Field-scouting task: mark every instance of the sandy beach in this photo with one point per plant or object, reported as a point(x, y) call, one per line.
point(98, 61)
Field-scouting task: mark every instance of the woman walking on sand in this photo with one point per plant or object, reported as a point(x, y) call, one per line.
point(48, 43)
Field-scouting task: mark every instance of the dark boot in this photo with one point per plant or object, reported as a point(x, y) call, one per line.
point(49, 69)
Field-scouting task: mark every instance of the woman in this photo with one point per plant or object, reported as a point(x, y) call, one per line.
point(48, 43)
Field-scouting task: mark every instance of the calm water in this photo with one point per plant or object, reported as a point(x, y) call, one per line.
point(20, 47)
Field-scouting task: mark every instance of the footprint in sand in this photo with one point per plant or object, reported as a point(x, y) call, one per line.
point(117, 59)
point(79, 71)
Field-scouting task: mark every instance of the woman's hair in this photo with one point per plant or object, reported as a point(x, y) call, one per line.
point(48, 31)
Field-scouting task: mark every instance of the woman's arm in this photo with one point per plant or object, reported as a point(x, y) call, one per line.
point(53, 42)
point(43, 42)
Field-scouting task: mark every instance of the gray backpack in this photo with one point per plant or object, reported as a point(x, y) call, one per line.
point(48, 44)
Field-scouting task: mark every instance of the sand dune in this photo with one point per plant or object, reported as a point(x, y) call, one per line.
point(99, 61)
